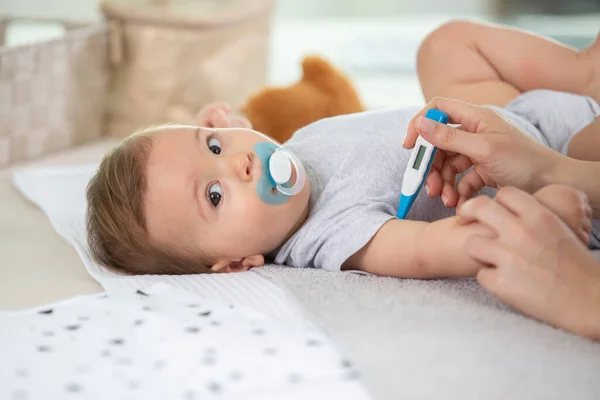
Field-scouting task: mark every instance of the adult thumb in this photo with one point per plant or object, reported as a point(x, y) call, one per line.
point(448, 138)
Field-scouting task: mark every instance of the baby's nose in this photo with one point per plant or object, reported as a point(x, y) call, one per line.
point(242, 166)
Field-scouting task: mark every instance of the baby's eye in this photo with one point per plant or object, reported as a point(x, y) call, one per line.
point(215, 192)
point(214, 144)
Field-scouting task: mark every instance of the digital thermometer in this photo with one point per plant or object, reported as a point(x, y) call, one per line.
point(418, 166)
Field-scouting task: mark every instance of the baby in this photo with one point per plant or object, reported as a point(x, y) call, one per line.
point(179, 199)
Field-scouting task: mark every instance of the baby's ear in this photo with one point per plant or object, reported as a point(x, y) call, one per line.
point(241, 265)
point(253, 261)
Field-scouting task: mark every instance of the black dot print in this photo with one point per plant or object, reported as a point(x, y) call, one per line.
point(84, 318)
point(258, 332)
point(192, 329)
point(210, 351)
point(215, 323)
point(133, 385)
point(44, 349)
point(231, 306)
point(346, 364)
point(235, 376)
point(141, 293)
point(351, 375)
point(138, 322)
point(117, 341)
point(294, 377)
point(105, 353)
point(82, 369)
point(214, 387)
point(270, 351)
point(189, 395)
point(22, 373)
point(48, 333)
point(72, 327)
point(208, 360)
point(46, 312)
point(147, 308)
point(20, 395)
point(312, 343)
point(204, 313)
point(73, 387)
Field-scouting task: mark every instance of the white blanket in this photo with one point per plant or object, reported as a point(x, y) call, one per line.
point(164, 343)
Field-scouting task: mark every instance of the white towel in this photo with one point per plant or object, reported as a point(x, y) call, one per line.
point(443, 339)
point(60, 192)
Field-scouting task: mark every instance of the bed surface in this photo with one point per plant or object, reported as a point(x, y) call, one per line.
point(37, 266)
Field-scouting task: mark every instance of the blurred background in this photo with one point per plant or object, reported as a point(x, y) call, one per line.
point(374, 41)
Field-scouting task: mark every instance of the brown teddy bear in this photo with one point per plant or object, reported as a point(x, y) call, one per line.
point(323, 91)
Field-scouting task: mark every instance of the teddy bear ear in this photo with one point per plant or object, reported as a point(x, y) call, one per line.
point(315, 68)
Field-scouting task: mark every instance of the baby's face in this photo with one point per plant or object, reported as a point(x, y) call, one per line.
point(201, 195)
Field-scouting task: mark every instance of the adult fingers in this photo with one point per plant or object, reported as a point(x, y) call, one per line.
point(434, 183)
point(449, 194)
point(468, 185)
point(469, 116)
point(452, 139)
point(491, 214)
point(486, 251)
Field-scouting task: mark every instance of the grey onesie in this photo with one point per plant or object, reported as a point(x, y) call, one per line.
point(355, 164)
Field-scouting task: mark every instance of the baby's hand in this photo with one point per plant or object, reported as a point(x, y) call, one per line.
point(219, 115)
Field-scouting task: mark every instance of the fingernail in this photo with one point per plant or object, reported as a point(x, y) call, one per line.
point(445, 200)
point(425, 125)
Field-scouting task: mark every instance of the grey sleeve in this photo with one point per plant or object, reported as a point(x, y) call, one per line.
point(553, 118)
point(346, 234)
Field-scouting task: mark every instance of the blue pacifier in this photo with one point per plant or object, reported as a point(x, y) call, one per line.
point(283, 175)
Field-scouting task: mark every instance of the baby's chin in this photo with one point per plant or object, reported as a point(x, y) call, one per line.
point(297, 220)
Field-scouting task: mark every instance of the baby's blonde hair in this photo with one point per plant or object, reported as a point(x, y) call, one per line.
point(116, 223)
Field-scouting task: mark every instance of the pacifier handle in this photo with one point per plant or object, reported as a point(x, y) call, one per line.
point(281, 171)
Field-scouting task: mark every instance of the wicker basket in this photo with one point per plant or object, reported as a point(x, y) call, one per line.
point(173, 55)
point(149, 61)
point(52, 93)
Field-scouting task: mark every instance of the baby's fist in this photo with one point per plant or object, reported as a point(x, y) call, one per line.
point(218, 115)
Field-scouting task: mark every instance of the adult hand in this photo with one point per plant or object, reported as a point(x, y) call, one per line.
point(219, 115)
point(538, 263)
point(500, 153)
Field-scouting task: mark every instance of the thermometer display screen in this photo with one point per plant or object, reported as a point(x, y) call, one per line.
point(419, 157)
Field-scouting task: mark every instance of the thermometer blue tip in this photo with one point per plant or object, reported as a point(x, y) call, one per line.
point(437, 115)
point(404, 206)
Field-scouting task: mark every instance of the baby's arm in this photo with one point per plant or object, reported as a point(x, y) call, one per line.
point(421, 250)
point(492, 64)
